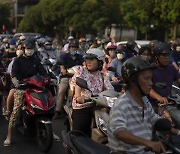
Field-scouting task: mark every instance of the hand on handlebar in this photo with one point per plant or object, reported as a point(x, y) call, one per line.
point(156, 147)
point(15, 81)
point(81, 99)
point(115, 79)
point(162, 100)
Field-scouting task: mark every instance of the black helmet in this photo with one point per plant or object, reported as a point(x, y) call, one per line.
point(28, 44)
point(161, 48)
point(74, 44)
point(134, 65)
point(131, 44)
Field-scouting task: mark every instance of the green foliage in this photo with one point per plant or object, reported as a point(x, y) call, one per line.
point(4, 15)
point(141, 14)
point(85, 16)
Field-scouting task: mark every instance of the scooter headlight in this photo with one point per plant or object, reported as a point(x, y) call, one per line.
point(110, 100)
point(102, 125)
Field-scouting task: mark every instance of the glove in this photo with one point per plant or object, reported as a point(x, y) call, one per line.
point(15, 81)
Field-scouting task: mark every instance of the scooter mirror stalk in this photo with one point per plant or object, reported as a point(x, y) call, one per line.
point(161, 85)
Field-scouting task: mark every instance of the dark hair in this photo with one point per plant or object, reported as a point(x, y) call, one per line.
point(142, 49)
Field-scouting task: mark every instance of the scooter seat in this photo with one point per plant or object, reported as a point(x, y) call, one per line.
point(87, 146)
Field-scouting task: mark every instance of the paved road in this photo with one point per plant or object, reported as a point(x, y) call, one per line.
point(23, 145)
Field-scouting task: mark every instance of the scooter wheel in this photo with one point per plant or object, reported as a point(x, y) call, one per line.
point(44, 136)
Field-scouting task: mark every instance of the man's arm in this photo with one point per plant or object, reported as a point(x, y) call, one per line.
point(158, 97)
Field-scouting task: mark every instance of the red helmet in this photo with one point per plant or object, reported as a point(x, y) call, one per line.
point(111, 45)
point(82, 40)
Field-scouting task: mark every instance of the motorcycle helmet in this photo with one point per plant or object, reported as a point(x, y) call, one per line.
point(133, 66)
point(70, 38)
point(161, 48)
point(131, 45)
point(74, 44)
point(82, 40)
point(111, 45)
point(96, 53)
point(28, 45)
point(12, 43)
point(22, 38)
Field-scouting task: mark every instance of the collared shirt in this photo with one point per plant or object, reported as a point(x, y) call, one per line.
point(67, 60)
point(128, 115)
point(96, 83)
point(117, 64)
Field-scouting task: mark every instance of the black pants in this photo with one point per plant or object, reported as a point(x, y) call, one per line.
point(82, 119)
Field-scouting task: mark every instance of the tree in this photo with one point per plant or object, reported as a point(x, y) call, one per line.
point(169, 14)
point(56, 16)
point(141, 14)
point(4, 15)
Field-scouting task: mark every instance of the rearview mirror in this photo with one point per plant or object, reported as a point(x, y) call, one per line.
point(81, 83)
point(112, 69)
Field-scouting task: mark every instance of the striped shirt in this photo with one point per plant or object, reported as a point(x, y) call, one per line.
point(126, 114)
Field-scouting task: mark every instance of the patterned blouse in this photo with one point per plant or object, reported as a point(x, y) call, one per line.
point(94, 82)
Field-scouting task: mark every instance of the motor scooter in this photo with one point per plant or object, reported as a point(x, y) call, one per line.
point(76, 142)
point(102, 104)
point(37, 111)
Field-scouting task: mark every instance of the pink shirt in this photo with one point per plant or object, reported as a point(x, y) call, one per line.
point(94, 82)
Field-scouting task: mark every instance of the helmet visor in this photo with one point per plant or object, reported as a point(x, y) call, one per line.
point(90, 56)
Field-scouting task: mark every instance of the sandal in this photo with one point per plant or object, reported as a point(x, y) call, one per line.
point(6, 113)
point(7, 143)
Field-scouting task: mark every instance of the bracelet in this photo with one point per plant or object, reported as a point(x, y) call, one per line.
point(178, 132)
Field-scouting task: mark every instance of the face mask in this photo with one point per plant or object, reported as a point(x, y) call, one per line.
point(98, 42)
point(19, 52)
point(29, 52)
point(120, 56)
point(112, 54)
point(12, 46)
point(48, 47)
point(73, 53)
point(178, 48)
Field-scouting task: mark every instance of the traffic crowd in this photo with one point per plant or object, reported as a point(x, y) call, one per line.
point(140, 69)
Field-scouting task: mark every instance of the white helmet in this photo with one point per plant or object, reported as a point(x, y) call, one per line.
point(22, 38)
point(95, 53)
point(70, 38)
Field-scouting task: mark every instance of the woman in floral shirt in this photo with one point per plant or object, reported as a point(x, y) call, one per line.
point(96, 81)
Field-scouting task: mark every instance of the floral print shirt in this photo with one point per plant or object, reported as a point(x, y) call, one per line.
point(94, 82)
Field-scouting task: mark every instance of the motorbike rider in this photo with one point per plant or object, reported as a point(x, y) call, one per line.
point(130, 49)
point(11, 50)
point(165, 73)
point(116, 63)
point(23, 67)
point(145, 53)
point(66, 46)
point(110, 55)
point(10, 98)
point(96, 81)
point(132, 116)
point(67, 60)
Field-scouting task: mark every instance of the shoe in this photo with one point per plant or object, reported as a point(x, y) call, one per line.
point(56, 138)
point(7, 142)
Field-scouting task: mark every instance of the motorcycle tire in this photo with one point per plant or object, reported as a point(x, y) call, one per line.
point(44, 136)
